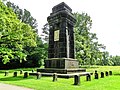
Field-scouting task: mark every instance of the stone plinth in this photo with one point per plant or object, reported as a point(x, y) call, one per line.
point(61, 71)
point(61, 63)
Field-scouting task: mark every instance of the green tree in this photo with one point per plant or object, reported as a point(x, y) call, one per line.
point(45, 33)
point(24, 15)
point(14, 36)
point(115, 60)
point(35, 55)
point(105, 58)
point(87, 46)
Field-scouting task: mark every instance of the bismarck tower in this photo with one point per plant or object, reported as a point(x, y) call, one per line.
point(61, 50)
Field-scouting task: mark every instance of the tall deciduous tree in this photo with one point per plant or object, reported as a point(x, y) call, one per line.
point(45, 33)
point(35, 55)
point(24, 15)
point(14, 36)
point(87, 46)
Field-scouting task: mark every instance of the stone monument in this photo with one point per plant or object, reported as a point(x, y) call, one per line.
point(61, 51)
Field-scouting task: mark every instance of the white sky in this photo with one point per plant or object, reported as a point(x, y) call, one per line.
point(105, 15)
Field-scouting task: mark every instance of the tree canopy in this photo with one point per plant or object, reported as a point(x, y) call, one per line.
point(14, 36)
point(23, 15)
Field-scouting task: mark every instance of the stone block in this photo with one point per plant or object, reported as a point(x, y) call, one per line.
point(102, 74)
point(88, 77)
point(15, 74)
point(96, 75)
point(54, 77)
point(6, 73)
point(21, 71)
point(110, 72)
point(77, 80)
point(106, 73)
point(25, 75)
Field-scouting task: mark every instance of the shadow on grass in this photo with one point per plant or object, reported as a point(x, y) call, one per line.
point(18, 78)
point(118, 74)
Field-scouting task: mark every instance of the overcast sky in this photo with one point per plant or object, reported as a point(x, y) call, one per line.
point(105, 15)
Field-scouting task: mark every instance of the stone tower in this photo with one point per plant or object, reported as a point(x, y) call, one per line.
point(61, 51)
point(61, 37)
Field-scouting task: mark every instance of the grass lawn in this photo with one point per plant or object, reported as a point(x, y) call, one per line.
point(45, 83)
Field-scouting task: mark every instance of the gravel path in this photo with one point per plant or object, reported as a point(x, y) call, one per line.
point(12, 87)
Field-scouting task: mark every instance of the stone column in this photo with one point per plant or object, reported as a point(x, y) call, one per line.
point(15, 74)
point(96, 75)
point(102, 74)
point(106, 73)
point(77, 80)
point(110, 72)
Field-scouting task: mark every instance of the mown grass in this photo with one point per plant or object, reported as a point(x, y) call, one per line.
point(45, 83)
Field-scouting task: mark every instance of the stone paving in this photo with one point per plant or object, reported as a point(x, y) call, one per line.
point(12, 87)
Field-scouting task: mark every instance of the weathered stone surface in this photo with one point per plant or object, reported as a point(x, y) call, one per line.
point(61, 20)
point(61, 50)
point(110, 72)
point(61, 38)
point(96, 75)
point(88, 77)
point(25, 75)
point(54, 77)
point(106, 73)
point(32, 70)
point(102, 74)
point(77, 80)
point(21, 71)
point(38, 74)
point(62, 71)
point(15, 74)
point(61, 63)
point(6, 73)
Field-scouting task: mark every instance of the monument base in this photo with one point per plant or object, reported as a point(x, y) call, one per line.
point(61, 71)
point(61, 63)
point(62, 66)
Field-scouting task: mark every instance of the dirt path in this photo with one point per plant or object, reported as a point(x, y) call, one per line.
point(12, 87)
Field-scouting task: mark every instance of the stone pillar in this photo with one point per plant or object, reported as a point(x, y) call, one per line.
point(96, 75)
point(77, 80)
point(21, 71)
point(61, 38)
point(88, 77)
point(25, 75)
point(32, 71)
point(15, 74)
point(106, 73)
point(38, 75)
point(54, 77)
point(110, 72)
point(6, 73)
point(102, 74)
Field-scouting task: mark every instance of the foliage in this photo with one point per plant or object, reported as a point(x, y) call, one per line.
point(87, 46)
point(14, 36)
point(34, 55)
point(45, 33)
point(114, 60)
point(23, 15)
point(109, 59)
